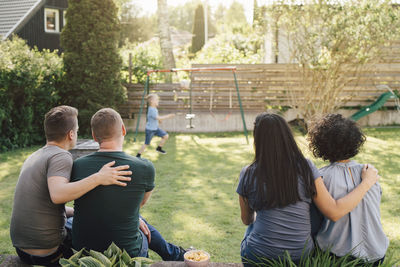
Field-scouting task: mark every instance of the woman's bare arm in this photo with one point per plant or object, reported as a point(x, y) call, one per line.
point(336, 209)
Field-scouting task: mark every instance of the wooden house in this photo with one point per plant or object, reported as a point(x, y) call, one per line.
point(39, 22)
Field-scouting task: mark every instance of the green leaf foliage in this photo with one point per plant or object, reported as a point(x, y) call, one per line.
point(29, 82)
point(90, 262)
point(319, 258)
point(100, 257)
point(145, 56)
point(330, 39)
point(242, 45)
point(91, 60)
point(112, 257)
point(69, 263)
point(112, 250)
point(198, 38)
point(74, 258)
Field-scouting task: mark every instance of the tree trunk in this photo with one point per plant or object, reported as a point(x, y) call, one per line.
point(165, 37)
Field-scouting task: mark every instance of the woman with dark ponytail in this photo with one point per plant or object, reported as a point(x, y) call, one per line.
point(276, 191)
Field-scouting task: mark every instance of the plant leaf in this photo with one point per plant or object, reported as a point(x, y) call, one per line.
point(102, 258)
point(90, 262)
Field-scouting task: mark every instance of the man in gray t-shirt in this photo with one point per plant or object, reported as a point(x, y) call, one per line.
point(34, 214)
point(38, 217)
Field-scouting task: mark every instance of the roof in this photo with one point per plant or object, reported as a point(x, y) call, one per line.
point(15, 13)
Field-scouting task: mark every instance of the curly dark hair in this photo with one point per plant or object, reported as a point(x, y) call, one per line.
point(335, 138)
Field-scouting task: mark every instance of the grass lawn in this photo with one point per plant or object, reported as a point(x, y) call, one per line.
point(194, 202)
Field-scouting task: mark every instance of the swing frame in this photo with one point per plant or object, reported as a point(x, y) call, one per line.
point(146, 91)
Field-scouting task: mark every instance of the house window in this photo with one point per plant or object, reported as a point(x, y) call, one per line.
point(51, 20)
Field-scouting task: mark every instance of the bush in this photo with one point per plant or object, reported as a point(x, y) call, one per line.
point(145, 56)
point(28, 89)
point(112, 257)
point(91, 59)
point(322, 258)
point(236, 47)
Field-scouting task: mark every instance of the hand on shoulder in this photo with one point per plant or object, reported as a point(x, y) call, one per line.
point(109, 175)
point(369, 175)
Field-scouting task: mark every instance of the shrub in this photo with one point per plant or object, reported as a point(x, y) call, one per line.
point(145, 56)
point(91, 60)
point(113, 256)
point(240, 46)
point(321, 258)
point(29, 82)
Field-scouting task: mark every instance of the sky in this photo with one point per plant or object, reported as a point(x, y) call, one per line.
point(150, 6)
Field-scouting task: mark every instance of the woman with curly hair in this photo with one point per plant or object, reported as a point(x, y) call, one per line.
point(359, 232)
point(275, 193)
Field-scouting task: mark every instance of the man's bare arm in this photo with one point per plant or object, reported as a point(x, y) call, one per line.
point(62, 191)
point(146, 197)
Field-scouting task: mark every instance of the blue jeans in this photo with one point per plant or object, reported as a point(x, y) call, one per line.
point(167, 251)
point(246, 254)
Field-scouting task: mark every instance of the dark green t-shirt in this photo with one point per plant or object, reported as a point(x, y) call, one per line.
point(110, 213)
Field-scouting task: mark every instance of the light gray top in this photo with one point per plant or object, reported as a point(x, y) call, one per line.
point(360, 231)
point(278, 229)
point(36, 222)
point(152, 122)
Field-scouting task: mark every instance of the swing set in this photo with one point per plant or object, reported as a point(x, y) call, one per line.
point(190, 116)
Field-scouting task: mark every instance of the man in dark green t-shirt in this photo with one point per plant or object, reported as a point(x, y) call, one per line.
point(111, 213)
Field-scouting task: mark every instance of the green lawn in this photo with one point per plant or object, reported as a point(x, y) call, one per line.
point(194, 202)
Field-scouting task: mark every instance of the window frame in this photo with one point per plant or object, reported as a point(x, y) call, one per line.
point(64, 12)
point(57, 20)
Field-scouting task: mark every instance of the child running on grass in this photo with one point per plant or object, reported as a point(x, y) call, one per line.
point(359, 232)
point(153, 119)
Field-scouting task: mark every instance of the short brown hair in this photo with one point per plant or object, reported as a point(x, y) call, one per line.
point(106, 124)
point(59, 121)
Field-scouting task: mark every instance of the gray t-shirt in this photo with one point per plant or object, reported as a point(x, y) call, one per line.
point(360, 231)
point(152, 122)
point(279, 229)
point(36, 222)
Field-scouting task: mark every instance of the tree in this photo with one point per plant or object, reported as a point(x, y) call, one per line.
point(198, 38)
point(181, 16)
point(256, 13)
point(135, 27)
point(165, 36)
point(219, 14)
point(91, 60)
point(332, 43)
point(235, 15)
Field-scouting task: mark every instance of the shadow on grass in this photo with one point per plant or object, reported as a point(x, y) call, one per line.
point(194, 202)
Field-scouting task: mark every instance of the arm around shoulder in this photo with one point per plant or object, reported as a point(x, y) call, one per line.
point(336, 209)
point(62, 190)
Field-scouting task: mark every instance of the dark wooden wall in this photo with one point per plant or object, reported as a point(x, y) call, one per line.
point(33, 31)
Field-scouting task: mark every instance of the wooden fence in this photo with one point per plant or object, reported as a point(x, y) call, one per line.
point(261, 86)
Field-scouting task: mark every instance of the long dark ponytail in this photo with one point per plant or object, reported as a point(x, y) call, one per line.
point(277, 165)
